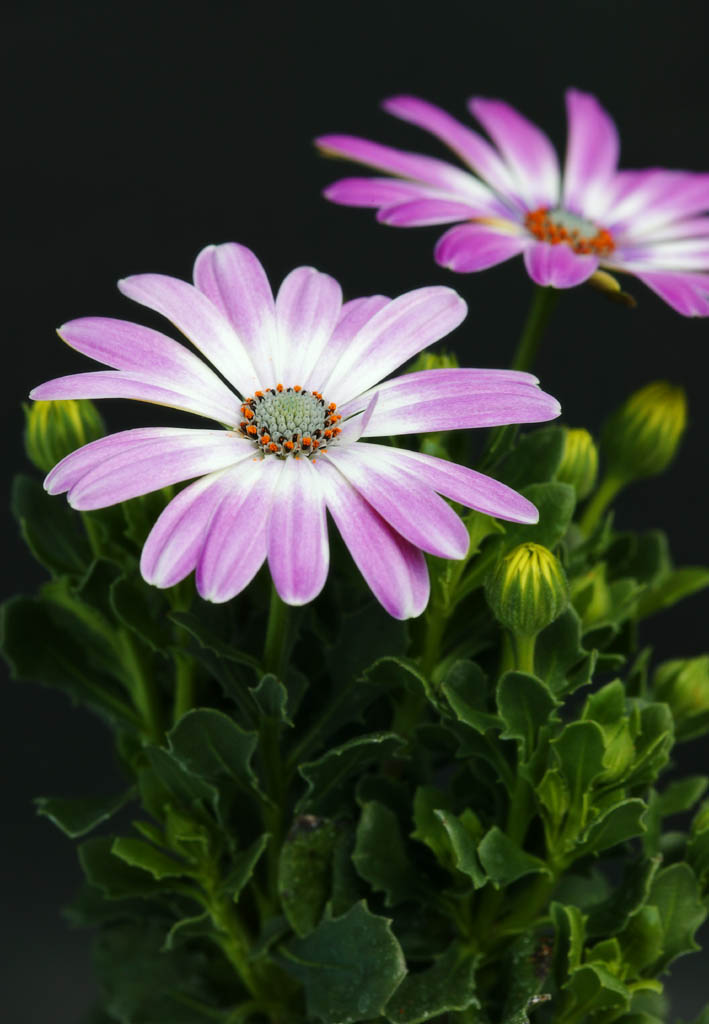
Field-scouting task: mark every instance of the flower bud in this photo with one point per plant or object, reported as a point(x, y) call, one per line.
point(434, 361)
point(528, 589)
point(642, 437)
point(579, 462)
point(684, 685)
point(54, 429)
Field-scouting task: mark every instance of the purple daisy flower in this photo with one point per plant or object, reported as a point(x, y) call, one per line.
point(566, 225)
point(306, 372)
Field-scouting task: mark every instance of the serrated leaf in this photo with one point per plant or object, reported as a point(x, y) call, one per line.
point(682, 794)
point(579, 750)
point(535, 457)
point(464, 846)
point(350, 966)
point(139, 854)
point(448, 986)
point(525, 705)
point(676, 894)
point(165, 780)
point(328, 777)
point(386, 637)
point(593, 988)
point(622, 822)
point(505, 861)
point(305, 871)
point(428, 824)
point(271, 698)
point(208, 638)
point(553, 793)
point(51, 529)
point(116, 879)
point(465, 688)
point(381, 858)
point(642, 939)
point(211, 745)
point(76, 817)
point(570, 934)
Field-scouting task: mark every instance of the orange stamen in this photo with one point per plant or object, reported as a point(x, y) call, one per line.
point(542, 225)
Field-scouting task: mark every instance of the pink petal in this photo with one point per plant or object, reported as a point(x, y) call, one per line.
point(353, 316)
point(432, 400)
point(394, 569)
point(199, 320)
point(396, 333)
point(591, 153)
point(411, 507)
point(641, 201)
point(298, 551)
point(687, 293)
point(234, 547)
point(470, 147)
point(377, 191)
point(471, 247)
point(424, 169)
point(680, 254)
point(145, 468)
point(472, 489)
point(308, 307)
point(528, 152)
point(558, 266)
point(233, 279)
point(418, 213)
point(173, 546)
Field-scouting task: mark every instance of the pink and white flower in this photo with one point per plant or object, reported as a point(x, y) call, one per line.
point(513, 198)
point(303, 392)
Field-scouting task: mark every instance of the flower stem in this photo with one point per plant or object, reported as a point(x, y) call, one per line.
point(609, 488)
point(544, 301)
point(142, 686)
point(276, 635)
point(524, 652)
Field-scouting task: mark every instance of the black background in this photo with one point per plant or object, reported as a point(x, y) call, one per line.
point(137, 134)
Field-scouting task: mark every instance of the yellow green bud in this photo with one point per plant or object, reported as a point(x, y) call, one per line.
point(684, 685)
point(528, 589)
point(434, 361)
point(579, 462)
point(54, 429)
point(643, 436)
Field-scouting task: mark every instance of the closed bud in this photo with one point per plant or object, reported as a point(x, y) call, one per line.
point(528, 590)
point(54, 429)
point(643, 436)
point(434, 361)
point(579, 462)
point(684, 685)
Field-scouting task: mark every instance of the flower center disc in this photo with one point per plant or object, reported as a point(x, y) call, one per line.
point(289, 421)
point(556, 226)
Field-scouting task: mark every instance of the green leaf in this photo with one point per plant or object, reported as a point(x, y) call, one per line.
point(525, 705)
point(165, 781)
point(682, 795)
point(642, 939)
point(142, 610)
point(242, 867)
point(76, 817)
point(592, 988)
point(197, 927)
point(559, 656)
point(305, 870)
point(116, 879)
point(536, 457)
point(524, 967)
point(622, 822)
point(271, 698)
point(464, 844)
point(51, 529)
point(676, 894)
point(428, 824)
point(556, 503)
point(391, 674)
point(386, 637)
point(504, 861)
point(208, 638)
point(570, 934)
point(679, 584)
point(579, 751)
point(139, 854)
point(447, 986)
point(212, 746)
point(612, 914)
point(350, 966)
point(465, 688)
point(381, 858)
point(329, 776)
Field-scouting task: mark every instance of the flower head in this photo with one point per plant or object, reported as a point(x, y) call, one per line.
point(513, 199)
point(303, 392)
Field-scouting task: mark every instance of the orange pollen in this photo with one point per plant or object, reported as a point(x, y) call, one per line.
point(307, 441)
point(273, 447)
point(265, 439)
point(279, 388)
point(331, 407)
point(258, 394)
point(248, 413)
point(557, 226)
point(251, 429)
point(288, 445)
point(297, 388)
point(328, 433)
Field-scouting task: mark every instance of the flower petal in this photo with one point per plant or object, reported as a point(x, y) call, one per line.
point(528, 152)
point(687, 293)
point(425, 169)
point(470, 147)
point(558, 266)
point(353, 316)
point(136, 469)
point(591, 154)
point(173, 546)
point(308, 306)
point(396, 333)
point(409, 505)
point(417, 213)
point(232, 277)
point(470, 247)
point(640, 201)
point(234, 547)
point(198, 319)
point(394, 569)
point(431, 400)
point(298, 551)
point(472, 489)
point(378, 191)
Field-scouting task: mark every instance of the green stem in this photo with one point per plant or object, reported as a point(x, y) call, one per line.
point(609, 488)
point(142, 687)
point(276, 635)
point(544, 301)
point(524, 652)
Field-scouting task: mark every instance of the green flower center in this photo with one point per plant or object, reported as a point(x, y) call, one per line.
point(289, 421)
